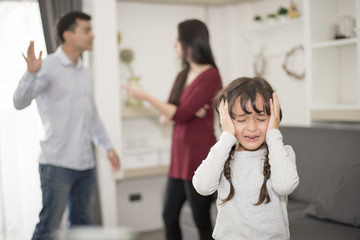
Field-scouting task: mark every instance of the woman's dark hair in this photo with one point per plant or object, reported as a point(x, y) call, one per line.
point(68, 23)
point(194, 39)
point(247, 89)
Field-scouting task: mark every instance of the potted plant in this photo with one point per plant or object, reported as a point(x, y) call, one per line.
point(282, 13)
point(257, 18)
point(127, 56)
point(271, 17)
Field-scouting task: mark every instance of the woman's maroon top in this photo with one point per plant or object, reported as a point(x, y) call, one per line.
point(193, 136)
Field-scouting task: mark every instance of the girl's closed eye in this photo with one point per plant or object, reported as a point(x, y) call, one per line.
point(262, 117)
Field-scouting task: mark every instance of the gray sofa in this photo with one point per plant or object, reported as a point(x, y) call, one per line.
point(326, 204)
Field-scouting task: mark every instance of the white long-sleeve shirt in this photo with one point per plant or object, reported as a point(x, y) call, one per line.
point(64, 97)
point(239, 218)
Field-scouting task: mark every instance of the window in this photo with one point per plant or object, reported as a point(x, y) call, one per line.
point(20, 131)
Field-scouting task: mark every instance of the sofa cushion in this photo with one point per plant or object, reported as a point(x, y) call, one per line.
point(339, 201)
point(308, 228)
point(328, 162)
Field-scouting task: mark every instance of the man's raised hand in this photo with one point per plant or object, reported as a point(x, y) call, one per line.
point(33, 63)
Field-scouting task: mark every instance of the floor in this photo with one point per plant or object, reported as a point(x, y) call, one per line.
point(86, 233)
point(153, 235)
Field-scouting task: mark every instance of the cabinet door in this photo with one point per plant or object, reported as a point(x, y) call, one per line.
point(140, 203)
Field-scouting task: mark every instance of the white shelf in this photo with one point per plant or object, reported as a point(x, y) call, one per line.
point(333, 43)
point(336, 113)
point(136, 112)
point(154, 147)
point(281, 25)
point(158, 170)
point(336, 107)
point(334, 80)
point(191, 2)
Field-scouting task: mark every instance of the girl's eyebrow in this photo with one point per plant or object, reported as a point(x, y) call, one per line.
point(241, 115)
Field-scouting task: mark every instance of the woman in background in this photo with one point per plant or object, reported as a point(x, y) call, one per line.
point(193, 132)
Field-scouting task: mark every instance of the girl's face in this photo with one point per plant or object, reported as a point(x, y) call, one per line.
point(250, 129)
point(177, 47)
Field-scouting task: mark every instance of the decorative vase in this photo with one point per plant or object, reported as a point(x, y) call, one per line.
point(130, 101)
point(293, 10)
point(346, 26)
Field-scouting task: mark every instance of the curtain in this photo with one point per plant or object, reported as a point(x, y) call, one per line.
point(20, 131)
point(50, 11)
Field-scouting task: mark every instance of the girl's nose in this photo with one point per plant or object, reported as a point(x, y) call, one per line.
point(251, 126)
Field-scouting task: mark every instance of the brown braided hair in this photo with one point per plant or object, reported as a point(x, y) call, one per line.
point(264, 194)
point(247, 89)
point(227, 174)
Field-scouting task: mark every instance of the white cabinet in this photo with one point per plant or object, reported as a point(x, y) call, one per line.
point(145, 160)
point(332, 64)
point(146, 143)
point(140, 201)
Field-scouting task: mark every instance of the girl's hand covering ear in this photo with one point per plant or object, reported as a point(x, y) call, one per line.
point(225, 119)
point(274, 121)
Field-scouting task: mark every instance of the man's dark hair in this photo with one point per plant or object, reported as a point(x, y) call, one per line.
point(68, 23)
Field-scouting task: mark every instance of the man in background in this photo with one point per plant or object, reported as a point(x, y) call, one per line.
point(62, 88)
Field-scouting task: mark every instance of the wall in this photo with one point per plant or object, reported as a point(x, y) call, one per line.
point(149, 29)
point(242, 40)
point(277, 39)
point(106, 91)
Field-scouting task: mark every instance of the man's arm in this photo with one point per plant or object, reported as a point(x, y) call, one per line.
point(30, 84)
point(101, 138)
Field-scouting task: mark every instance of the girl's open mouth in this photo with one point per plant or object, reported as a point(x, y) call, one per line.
point(251, 138)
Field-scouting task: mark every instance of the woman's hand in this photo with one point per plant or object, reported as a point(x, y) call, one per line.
point(225, 119)
point(137, 93)
point(202, 111)
point(140, 94)
point(274, 121)
point(164, 120)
